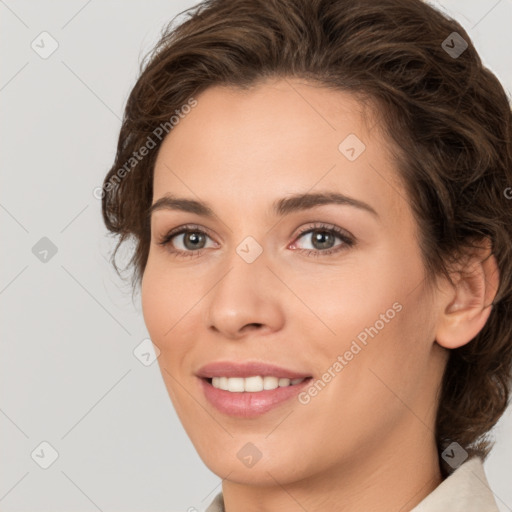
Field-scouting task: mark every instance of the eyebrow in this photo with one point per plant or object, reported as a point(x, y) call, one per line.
point(280, 207)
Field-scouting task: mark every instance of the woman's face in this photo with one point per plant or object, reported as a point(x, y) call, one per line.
point(330, 290)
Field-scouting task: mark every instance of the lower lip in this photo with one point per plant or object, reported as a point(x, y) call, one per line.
point(247, 404)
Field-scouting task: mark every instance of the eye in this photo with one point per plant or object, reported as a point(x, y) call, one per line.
point(323, 239)
point(191, 240)
point(185, 240)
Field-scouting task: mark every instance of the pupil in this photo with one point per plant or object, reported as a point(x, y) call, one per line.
point(195, 239)
point(324, 239)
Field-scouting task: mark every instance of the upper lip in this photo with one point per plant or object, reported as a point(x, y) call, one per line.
point(247, 369)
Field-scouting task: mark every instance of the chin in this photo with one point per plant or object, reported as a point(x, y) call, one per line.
point(242, 465)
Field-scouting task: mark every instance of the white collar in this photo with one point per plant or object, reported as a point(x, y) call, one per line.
point(465, 490)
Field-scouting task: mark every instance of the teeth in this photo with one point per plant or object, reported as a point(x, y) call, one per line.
point(252, 384)
point(270, 382)
point(236, 385)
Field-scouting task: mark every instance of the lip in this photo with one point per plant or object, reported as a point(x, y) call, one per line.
point(248, 404)
point(247, 369)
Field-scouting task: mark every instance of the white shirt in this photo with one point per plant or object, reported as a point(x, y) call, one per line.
point(465, 490)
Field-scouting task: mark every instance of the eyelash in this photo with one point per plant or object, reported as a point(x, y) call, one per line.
point(347, 240)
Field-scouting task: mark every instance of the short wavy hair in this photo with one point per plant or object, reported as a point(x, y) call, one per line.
point(448, 117)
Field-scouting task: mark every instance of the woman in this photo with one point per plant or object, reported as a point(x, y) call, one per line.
point(317, 190)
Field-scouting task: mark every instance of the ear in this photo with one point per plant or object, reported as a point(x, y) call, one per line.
point(466, 306)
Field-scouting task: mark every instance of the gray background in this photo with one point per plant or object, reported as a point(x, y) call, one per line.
point(69, 327)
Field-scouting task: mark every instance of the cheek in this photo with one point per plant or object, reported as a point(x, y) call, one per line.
point(378, 316)
point(164, 296)
point(153, 302)
point(384, 335)
point(352, 297)
point(171, 311)
point(166, 310)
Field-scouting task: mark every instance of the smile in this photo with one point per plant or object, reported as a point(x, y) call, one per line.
point(245, 403)
point(252, 384)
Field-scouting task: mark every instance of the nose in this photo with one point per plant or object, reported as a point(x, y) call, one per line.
point(247, 298)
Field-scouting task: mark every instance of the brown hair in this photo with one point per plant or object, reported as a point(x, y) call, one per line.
point(448, 116)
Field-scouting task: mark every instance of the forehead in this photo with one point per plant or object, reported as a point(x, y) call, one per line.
point(283, 136)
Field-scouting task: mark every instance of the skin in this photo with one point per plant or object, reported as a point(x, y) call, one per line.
point(372, 425)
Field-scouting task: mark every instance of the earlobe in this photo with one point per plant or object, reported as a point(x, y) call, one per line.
point(468, 306)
